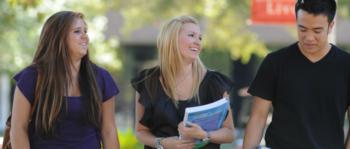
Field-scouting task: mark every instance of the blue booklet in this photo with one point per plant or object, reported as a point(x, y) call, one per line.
point(210, 116)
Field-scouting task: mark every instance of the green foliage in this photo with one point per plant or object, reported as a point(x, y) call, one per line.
point(216, 59)
point(223, 22)
point(19, 26)
point(21, 22)
point(127, 139)
point(343, 8)
point(23, 3)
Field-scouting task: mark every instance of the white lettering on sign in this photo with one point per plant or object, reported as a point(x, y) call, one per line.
point(278, 8)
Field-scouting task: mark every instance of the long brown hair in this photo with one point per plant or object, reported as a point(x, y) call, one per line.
point(53, 63)
point(170, 59)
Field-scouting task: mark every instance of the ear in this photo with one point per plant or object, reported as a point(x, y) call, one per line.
point(330, 27)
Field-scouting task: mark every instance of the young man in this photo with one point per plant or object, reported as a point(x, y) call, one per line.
point(306, 83)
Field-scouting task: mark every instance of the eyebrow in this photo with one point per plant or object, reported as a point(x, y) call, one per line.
point(195, 33)
point(316, 28)
point(74, 28)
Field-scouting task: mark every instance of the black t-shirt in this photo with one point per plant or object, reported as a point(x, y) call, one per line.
point(161, 116)
point(309, 99)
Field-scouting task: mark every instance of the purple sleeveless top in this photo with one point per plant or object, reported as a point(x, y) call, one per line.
point(72, 132)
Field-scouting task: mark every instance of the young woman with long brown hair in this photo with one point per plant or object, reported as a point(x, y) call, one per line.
point(73, 99)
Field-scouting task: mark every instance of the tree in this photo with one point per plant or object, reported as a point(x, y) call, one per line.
point(343, 8)
point(21, 22)
point(224, 22)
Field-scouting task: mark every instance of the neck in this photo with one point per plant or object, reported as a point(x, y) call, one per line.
point(186, 70)
point(315, 56)
point(75, 67)
point(73, 83)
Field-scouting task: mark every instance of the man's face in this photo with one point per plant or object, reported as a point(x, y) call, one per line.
point(313, 32)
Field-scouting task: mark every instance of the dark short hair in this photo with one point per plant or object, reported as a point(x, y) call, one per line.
point(317, 7)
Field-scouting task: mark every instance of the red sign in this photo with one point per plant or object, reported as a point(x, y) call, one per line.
point(273, 12)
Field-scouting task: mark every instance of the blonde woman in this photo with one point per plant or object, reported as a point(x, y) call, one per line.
point(180, 80)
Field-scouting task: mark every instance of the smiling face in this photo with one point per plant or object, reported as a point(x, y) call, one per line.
point(313, 32)
point(190, 42)
point(78, 40)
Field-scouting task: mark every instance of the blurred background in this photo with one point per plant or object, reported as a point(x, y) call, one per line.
point(237, 34)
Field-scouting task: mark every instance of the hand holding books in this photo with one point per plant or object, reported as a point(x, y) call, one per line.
point(191, 131)
point(200, 120)
point(176, 143)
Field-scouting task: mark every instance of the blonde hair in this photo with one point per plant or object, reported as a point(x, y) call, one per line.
point(170, 58)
